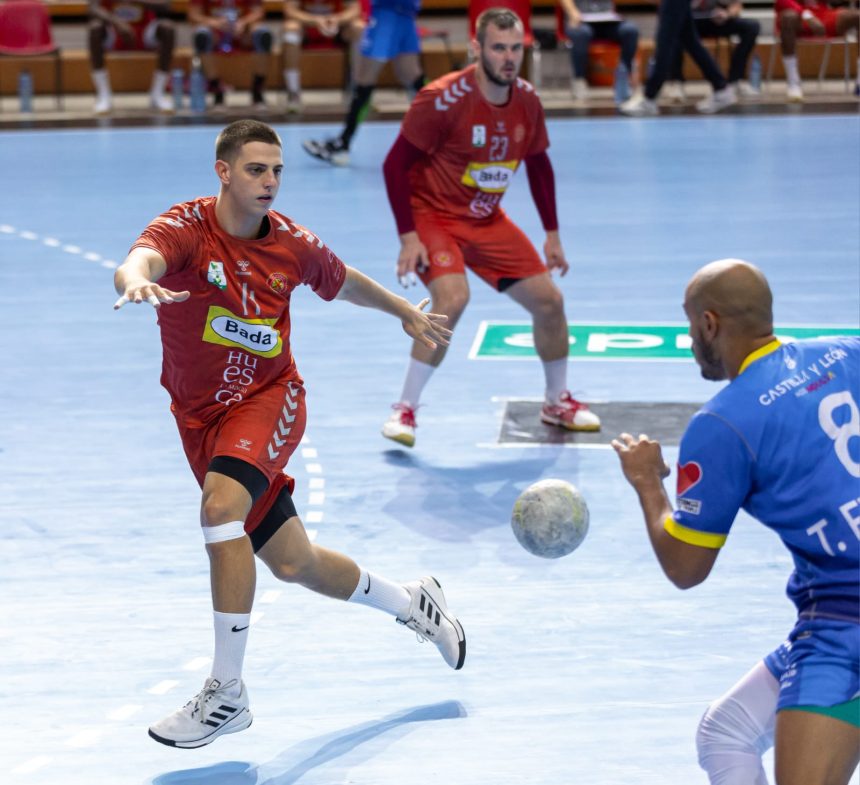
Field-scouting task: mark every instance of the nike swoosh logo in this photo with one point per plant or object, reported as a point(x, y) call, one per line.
point(367, 590)
point(239, 629)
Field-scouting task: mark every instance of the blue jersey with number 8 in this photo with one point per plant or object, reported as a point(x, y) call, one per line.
point(782, 441)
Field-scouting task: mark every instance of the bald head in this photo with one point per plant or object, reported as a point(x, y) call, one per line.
point(737, 292)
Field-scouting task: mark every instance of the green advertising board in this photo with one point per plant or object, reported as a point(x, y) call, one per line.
point(597, 341)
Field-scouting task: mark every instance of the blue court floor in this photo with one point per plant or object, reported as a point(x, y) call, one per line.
point(588, 670)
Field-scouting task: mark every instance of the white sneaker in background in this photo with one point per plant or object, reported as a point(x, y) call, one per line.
point(674, 93)
point(214, 711)
point(400, 426)
point(794, 94)
point(430, 618)
point(161, 102)
point(718, 100)
point(746, 90)
point(580, 90)
point(103, 104)
point(639, 106)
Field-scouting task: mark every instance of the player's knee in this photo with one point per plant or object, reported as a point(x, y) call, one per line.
point(217, 508)
point(296, 566)
point(453, 304)
point(727, 729)
point(550, 305)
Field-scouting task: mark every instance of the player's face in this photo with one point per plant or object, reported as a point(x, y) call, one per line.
point(502, 55)
point(255, 176)
point(704, 351)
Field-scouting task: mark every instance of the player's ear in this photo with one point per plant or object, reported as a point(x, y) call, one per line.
point(710, 323)
point(222, 169)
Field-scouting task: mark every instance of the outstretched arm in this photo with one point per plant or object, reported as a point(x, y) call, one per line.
point(135, 280)
point(642, 463)
point(429, 328)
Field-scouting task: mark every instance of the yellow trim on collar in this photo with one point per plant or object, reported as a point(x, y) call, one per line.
point(693, 537)
point(759, 353)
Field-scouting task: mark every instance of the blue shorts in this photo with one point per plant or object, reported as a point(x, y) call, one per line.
point(389, 34)
point(819, 664)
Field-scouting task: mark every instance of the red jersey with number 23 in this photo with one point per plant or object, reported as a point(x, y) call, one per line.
point(232, 337)
point(473, 147)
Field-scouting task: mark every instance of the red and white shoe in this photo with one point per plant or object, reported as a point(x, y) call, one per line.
point(570, 414)
point(400, 427)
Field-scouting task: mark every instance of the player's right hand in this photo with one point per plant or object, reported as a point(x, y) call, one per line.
point(154, 294)
point(413, 257)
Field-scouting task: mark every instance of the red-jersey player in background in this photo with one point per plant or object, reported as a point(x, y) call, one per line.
point(460, 144)
point(220, 272)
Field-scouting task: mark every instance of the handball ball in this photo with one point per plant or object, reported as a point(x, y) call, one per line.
point(550, 519)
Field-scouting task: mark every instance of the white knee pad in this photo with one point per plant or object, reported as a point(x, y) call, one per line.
point(223, 532)
point(737, 729)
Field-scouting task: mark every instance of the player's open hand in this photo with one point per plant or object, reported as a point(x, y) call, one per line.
point(641, 459)
point(413, 258)
point(428, 328)
point(152, 293)
point(554, 254)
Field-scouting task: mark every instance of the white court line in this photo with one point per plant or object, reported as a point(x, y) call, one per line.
point(309, 452)
point(256, 616)
point(124, 712)
point(533, 445)
point(316, 498)
point(313, 468)
point(34, 764)
point(71, 249)
point(270, 596)
point(314, 516)
point(85, 738)
point(90, 256)
point(196, 664)
point(316, 483)
point(27, 235)
point(6, 229)
point(163, 687)
point(110, 264)
point(51, 242)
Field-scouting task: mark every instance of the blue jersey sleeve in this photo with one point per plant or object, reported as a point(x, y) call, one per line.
point(714, 478)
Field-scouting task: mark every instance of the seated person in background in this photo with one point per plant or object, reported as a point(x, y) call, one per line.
point(225, 25)
point(313, 21)
point(808, 18)
point(130, 25)
point(722, 19)
point(588, 19)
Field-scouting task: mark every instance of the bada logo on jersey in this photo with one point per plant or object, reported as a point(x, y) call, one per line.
point(257, 336)
point(493, 178)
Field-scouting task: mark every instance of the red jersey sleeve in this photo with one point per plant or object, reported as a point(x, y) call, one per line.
point(321, 268)
point(173, 235)
point(540, 137)
point(425, 125)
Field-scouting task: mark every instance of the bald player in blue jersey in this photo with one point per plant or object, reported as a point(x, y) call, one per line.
point(781, 441)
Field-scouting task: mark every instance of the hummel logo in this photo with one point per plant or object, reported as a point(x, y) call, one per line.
point(367, 590)
point(239, 629)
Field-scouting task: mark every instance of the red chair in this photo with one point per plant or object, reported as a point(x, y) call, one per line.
point(25, 31)
point(523, 9)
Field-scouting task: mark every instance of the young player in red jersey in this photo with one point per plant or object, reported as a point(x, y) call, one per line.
point(220, 271)
point(461, 142)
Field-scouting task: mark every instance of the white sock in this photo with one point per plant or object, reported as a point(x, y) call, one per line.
point(555, 372)
point(159, 82)
point(292, 79)
point(792, 75)
point(231, 635)
point(417, 376)
point(382, 594)
point(101, 79)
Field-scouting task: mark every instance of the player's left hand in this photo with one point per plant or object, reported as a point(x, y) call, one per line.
point(641, 459)
point(554, 254)
point(428, 328)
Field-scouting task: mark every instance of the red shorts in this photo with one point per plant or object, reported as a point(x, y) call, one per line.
point(495, 249)
point(827, 16)
point(263, 430)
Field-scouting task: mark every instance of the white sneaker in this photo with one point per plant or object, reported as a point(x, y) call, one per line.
point(161, 102)
point(400, 427)
point(332, 151)
point(639, 106)
point(718, 100)
point(746, 90)
point(674, 93)
point(294, 102)
point(430, 618)
point(209, 714)
point(570, 414)
point(103, 104)
point(580, 90)
point(794, 94)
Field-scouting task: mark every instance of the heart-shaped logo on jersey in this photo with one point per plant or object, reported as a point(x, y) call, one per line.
point(689, 475)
